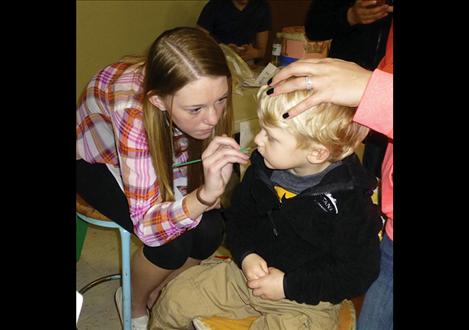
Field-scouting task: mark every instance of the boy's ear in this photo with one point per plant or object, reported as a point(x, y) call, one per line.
point(158, 102)
point(318, 154)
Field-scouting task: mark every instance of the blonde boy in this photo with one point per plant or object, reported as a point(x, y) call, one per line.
point(302, 228)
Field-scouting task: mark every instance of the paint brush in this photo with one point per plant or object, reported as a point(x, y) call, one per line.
point(243, 150)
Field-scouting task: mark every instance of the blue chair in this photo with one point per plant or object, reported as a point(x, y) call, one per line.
point(91, 218)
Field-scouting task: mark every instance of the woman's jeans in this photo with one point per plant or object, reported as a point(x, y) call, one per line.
point(377, 309)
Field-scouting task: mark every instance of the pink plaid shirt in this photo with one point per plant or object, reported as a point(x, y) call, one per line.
point(110, 130)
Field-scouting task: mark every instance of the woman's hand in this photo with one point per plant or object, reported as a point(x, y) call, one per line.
point(217, 161)
point(367, 11)
point(332, 80)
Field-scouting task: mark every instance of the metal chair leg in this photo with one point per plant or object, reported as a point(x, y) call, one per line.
point(98, 281)
point(126, 290)
point(124, 276)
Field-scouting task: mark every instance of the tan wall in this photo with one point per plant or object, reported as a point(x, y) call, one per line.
point(108, 30)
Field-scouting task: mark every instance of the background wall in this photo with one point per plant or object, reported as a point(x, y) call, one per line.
point(285, 13)
point(107, 30)
point(288, 13)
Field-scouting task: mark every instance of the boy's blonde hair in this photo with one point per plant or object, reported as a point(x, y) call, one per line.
point(327, 124)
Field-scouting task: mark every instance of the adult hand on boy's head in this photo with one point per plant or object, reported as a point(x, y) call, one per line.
point(331, 80)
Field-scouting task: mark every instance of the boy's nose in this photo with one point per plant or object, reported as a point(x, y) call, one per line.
point(257, 139)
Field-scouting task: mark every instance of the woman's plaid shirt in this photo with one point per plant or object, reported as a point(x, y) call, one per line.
point(110, 130)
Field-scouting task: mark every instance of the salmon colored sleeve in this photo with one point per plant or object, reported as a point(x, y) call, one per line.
point(376, 106)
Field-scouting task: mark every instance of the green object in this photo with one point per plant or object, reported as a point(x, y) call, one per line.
point(243, 150)
point(82, 226)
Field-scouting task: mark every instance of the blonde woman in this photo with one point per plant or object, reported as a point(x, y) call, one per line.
point(136, 120)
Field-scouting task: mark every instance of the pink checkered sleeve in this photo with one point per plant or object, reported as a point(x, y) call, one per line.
point(110, 130)
point(156, 222)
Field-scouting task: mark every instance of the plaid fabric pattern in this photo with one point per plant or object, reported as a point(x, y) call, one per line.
point(110, 130)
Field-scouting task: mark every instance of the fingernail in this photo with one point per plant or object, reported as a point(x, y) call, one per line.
point(286, 115)
point(270, 91)
point(269, 81)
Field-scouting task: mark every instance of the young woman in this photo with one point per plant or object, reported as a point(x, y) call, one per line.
point(137, 119)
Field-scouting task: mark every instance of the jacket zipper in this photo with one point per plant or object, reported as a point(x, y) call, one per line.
point(274, 229)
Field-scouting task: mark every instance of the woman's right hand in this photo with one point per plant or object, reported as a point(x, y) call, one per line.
point(333, 80)
point(367, 11)
point(217, 161)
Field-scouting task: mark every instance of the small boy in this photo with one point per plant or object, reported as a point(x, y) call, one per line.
point(302, 228)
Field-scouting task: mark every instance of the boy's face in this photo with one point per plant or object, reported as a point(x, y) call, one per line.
point(280, 151)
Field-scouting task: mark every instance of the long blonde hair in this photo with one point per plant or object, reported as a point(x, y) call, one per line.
point(176, 58)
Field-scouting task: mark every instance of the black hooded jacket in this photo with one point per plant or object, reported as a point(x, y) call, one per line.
point(324, 239)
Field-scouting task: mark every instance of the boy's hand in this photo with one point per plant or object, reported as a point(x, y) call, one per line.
point(254, 267)
point(270, 286)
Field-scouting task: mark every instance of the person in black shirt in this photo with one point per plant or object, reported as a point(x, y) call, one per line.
point(241, 24)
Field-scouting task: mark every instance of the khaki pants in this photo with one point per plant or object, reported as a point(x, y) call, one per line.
point(218, 288)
